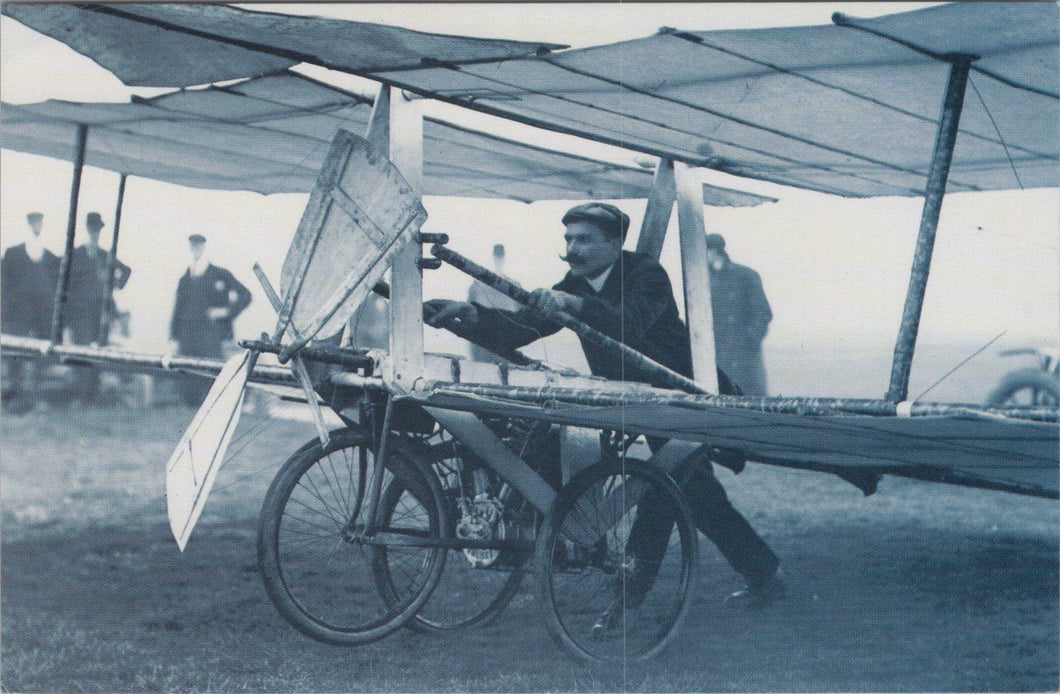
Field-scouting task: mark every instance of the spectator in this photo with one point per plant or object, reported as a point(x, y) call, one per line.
point(488, 297)
point(209, 298)
point(89, 300)
point(741, 318)
point(29, 273)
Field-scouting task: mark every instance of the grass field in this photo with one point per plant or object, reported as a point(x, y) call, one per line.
point(919, 588)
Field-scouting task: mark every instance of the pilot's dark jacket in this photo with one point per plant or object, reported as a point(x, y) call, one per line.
point(197, 334)
point(635, 306)
point(87, 293)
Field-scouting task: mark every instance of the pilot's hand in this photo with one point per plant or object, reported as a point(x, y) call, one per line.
point(440, 313)
point(217, 313)
point(554, 300)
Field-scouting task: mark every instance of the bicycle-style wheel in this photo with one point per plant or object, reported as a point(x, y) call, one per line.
point(1026, 388)
point(617, 561)
point(477, 584)
point(316, 557)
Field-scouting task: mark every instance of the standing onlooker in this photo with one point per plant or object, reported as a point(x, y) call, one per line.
point(88, 297)
point(741, 318)
point(208, 299)
point(488, 297)
point(89, 300)
point(29, 273)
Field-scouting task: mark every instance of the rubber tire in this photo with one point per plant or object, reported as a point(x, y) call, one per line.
point(1034, 380)
point(391, 617)
point(479, 616)
point(565, 502)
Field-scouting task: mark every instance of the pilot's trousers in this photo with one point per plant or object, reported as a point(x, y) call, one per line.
point(713, 515)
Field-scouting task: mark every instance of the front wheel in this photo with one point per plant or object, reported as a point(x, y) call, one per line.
point(318, 557)
point(617, 562)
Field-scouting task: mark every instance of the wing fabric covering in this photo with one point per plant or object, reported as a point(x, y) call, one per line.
point(271, 134)
point(1023, 455)
point(837, 109)
point(181, 45)
point(361, 214)
point(829, 108)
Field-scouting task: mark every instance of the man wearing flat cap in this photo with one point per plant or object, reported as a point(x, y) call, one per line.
point(741, 318)
point(29, 273)
point(628, 297)
point(209, 298)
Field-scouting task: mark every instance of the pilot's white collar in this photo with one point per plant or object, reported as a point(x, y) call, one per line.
point(597, 283)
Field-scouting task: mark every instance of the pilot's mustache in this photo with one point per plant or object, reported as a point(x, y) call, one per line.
point(572, 258)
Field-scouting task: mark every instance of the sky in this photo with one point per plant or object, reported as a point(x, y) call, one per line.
point(835, 270)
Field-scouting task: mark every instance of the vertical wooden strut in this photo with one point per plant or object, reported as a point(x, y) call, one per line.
point(934, 192)
point(658, 210)
point(71, 227)
point(696, 275)
point(106, 316)
point(406, 291)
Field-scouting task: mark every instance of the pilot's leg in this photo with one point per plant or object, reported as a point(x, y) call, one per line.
point(716, 518)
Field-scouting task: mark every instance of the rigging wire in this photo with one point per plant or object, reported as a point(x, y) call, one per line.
point(998, 131)
point(670, 128)
point(965, 361)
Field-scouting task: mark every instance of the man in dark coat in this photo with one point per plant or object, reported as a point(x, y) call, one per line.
point(741, 318)
point(89, 300)
point(628, 297)
point(209, 298)
point(29, 273)
point(87, 296)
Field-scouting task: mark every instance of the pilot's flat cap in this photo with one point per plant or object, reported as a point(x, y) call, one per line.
point(197, 239)
point(93, 220)
point(34, 217)
point(607, 218)
point(716, 241)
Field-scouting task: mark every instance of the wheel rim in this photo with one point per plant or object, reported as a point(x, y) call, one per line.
point(467, 593)
point(584, 577)
point(326, 562)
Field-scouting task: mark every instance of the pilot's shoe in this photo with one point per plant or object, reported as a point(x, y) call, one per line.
point(759, 595)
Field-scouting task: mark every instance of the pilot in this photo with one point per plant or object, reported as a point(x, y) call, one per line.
point(628, 297)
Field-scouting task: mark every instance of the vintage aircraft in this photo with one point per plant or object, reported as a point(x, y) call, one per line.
point(464, 443)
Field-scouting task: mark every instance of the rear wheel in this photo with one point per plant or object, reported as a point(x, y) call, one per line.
point(317, 558)
point(617, 562)
point(477, 584)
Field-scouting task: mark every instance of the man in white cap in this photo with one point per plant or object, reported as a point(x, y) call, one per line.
point(29, 273)
point(208, 300)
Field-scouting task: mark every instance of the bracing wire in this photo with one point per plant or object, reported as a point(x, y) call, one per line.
point(997, 130)
point(962, 363)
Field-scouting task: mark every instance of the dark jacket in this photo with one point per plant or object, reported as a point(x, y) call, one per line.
point(635, 306)
point(741, 319)
point(215, 287)
point(27, 289)
point(87, 294)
